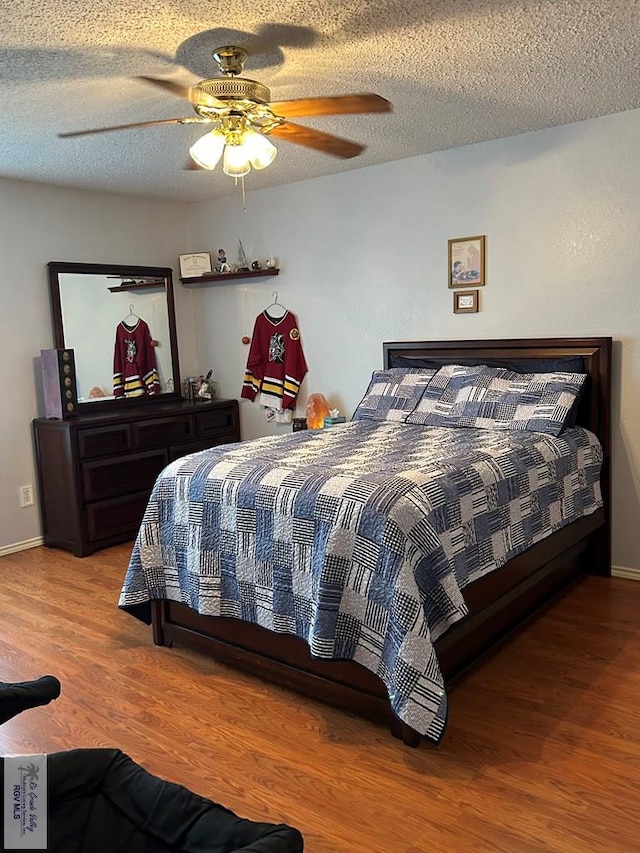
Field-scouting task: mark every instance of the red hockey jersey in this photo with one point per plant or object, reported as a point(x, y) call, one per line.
point(134, 362)
point(276, 365)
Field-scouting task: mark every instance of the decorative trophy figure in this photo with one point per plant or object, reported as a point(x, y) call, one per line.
point(243, 263)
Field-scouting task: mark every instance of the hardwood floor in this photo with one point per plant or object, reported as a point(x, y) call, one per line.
point(542, 752)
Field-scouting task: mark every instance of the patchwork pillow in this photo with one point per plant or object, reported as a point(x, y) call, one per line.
point(392, 394)
point(495, 398)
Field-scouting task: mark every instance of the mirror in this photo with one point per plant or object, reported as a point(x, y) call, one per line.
point(95, 304)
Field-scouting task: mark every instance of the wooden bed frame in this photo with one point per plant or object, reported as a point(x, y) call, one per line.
point(498, 603)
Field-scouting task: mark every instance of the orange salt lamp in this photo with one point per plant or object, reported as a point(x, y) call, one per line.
point(317, 411)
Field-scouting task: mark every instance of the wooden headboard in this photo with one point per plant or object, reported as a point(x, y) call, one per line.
point(594, 412)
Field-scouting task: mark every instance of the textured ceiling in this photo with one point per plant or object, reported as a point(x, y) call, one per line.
point(456, 71)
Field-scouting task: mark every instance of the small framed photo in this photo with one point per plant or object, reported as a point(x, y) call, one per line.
point(466, 261)
point(466, 302)
point(195, 264)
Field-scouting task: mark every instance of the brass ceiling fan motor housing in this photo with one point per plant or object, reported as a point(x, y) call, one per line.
point(242, 91)
point(236, 89)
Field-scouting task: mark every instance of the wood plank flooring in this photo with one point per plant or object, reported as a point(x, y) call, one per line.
point(542, 752)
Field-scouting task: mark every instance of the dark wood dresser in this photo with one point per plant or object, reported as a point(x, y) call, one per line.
point(95, 472)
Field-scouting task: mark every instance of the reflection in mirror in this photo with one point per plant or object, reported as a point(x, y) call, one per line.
point(95, 306)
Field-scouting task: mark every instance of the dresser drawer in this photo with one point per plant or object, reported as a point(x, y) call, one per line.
point(216, 422)
point(103, 441)
point(121, 475)
point(118, 518)
point(160, 432)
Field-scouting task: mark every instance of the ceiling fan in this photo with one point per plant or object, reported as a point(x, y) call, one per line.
point(244, 116)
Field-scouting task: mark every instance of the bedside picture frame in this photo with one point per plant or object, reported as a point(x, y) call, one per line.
point(466, 302)
point(466, 261)
point(194, 264)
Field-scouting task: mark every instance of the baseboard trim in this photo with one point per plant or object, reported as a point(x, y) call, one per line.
point(623, 572)
point(21, 546)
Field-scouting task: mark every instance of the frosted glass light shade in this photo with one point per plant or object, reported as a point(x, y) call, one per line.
point(260, 151)
point(207, 151)
point(235, 161)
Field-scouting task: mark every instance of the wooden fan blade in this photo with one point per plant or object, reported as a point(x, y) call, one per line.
point(189, 93)
point(130, 126)
point(339, 105)
point(324, 142)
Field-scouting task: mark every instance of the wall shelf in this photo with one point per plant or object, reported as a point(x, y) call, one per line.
point(136, 285)
point(226, 276)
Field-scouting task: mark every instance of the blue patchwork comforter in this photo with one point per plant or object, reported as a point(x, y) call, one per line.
point(358, 538)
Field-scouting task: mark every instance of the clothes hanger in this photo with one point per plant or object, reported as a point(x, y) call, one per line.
point(131, 319)
point(280, 309)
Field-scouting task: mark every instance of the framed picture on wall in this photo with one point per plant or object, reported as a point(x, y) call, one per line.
point(466, 261)
point(466, 302)
point(194, 264)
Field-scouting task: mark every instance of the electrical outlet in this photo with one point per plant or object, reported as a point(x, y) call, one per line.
point(26, 496)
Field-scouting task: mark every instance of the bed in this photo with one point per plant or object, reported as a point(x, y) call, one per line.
point(476, 606)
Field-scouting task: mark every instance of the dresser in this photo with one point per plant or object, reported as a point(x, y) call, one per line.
point(95, 472)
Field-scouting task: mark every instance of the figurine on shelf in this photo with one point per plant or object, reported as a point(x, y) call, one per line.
point(243, 264)
point(256, 265)
point(222, 265)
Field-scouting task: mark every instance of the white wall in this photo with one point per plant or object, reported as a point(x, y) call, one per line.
point(41, 224)
point(363, 259)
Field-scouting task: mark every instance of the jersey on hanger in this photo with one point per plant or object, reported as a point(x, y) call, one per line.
point(276, 365)
point(134, 362)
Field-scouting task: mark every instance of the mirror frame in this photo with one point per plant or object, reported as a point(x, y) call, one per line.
point(124, 271)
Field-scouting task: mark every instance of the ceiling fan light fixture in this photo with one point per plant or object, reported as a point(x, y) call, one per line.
point(207, 151)
point(244, 116)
